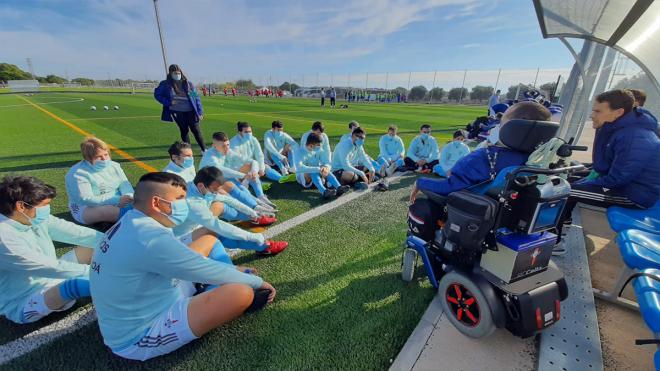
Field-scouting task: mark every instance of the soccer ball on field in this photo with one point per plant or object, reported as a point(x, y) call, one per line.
point(93, 108)
point(116, 108)
point(106, 108)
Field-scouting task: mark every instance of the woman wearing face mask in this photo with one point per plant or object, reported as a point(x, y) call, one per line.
point(97, 187)
point(181, 104)
point(182, 162)
point(33, 281)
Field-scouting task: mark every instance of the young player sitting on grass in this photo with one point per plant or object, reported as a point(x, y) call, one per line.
point(182, 162)
point(97, 187)
point(392, 150)
point(279, 148)
point(311, 169)
point(319, 129)
point(235, 167)
point(423, 151)
point(351, 126)
point(350, 161)
point(239, 203)
point(33, 281)
point(245, 144)
point(482, 164)
point(450, 154)
point(142, 312)
point(203, 220)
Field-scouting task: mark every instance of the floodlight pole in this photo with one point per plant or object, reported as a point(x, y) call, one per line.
point(537, 76)
point(160, 35)
point(460, 99)
point(497, 82)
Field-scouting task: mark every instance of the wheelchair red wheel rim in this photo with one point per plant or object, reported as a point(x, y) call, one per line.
point(463, 304)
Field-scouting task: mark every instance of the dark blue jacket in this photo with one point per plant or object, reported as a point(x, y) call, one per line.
point(164, 94)
point(626, 155)
point(473, 169)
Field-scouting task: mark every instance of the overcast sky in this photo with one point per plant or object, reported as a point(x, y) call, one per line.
point(223, 40)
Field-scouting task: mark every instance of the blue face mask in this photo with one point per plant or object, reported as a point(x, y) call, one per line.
point(277, 134)
point(188, 162)
point(42, 214)
point(99, 165)
point(179, 211)
point(359, 142)
point(316, 149)
point(175, 76)
point(425, 136)
point(247, 136)
point(209, 197)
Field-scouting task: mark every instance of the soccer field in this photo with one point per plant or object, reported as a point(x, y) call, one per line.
point(341, 303)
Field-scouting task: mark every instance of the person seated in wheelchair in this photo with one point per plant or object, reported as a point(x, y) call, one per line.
point(483, 164)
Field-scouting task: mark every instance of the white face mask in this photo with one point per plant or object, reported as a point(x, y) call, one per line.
point(176, 76)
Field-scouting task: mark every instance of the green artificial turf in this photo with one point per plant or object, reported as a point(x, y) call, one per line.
point(342, 304)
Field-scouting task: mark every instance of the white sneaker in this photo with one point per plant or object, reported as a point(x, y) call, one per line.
point(264, 209)
point(559, 249)
point(266, 201)
point(391, 169)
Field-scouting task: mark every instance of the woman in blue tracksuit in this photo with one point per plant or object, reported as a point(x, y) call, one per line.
point(181, 104)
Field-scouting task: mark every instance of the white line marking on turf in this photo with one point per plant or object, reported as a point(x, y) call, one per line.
point(41, 104)
point(46, 334)
point(85, 316)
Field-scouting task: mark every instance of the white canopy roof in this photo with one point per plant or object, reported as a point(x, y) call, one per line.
point(629, 26)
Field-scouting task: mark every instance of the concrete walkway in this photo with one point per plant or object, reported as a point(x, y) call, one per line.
point(435, 344)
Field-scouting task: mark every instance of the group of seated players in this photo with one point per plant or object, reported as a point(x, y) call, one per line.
point(161, 276)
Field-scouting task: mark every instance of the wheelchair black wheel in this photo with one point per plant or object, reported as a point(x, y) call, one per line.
point(408, 264)
point(465, 305)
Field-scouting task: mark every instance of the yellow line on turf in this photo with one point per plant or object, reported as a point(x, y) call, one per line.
point(85, 133)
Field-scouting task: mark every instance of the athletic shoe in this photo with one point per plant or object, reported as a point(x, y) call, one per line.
point(342, 189)
point(288, 178)
point(391, 169)
point(264, 220)
point(274, 248)
point(265, 186)
point(265, 201)
point(329, 193)
point(265, 209)
point(259, 301)
point(360, 185)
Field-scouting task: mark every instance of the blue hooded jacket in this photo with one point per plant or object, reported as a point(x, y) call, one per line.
point(164, 94)
point(626, 155)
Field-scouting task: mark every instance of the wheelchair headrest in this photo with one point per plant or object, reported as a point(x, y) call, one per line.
point(526, 135)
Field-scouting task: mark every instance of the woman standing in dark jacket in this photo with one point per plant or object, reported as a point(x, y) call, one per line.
point(181, 104)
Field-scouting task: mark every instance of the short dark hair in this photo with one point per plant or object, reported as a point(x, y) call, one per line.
point(639, 95)
point(312, 139)
point(425, 126)
point(176, 148)
point(528, 110)
point(353, 124)
point(209, 175)
point(277, 124)
point(30, 190)
point(318, 125)
point(617, 98)
point(159, 177)
point(220, 136)
point(358, 130)
point(458, 133)
point(242, 125)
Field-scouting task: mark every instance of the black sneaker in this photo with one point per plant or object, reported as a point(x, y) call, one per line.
point(329, 193)
point(260, 300)
point(342, 189)
point(360, 186)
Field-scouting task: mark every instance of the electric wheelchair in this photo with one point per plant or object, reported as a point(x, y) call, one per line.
point(487, 249)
